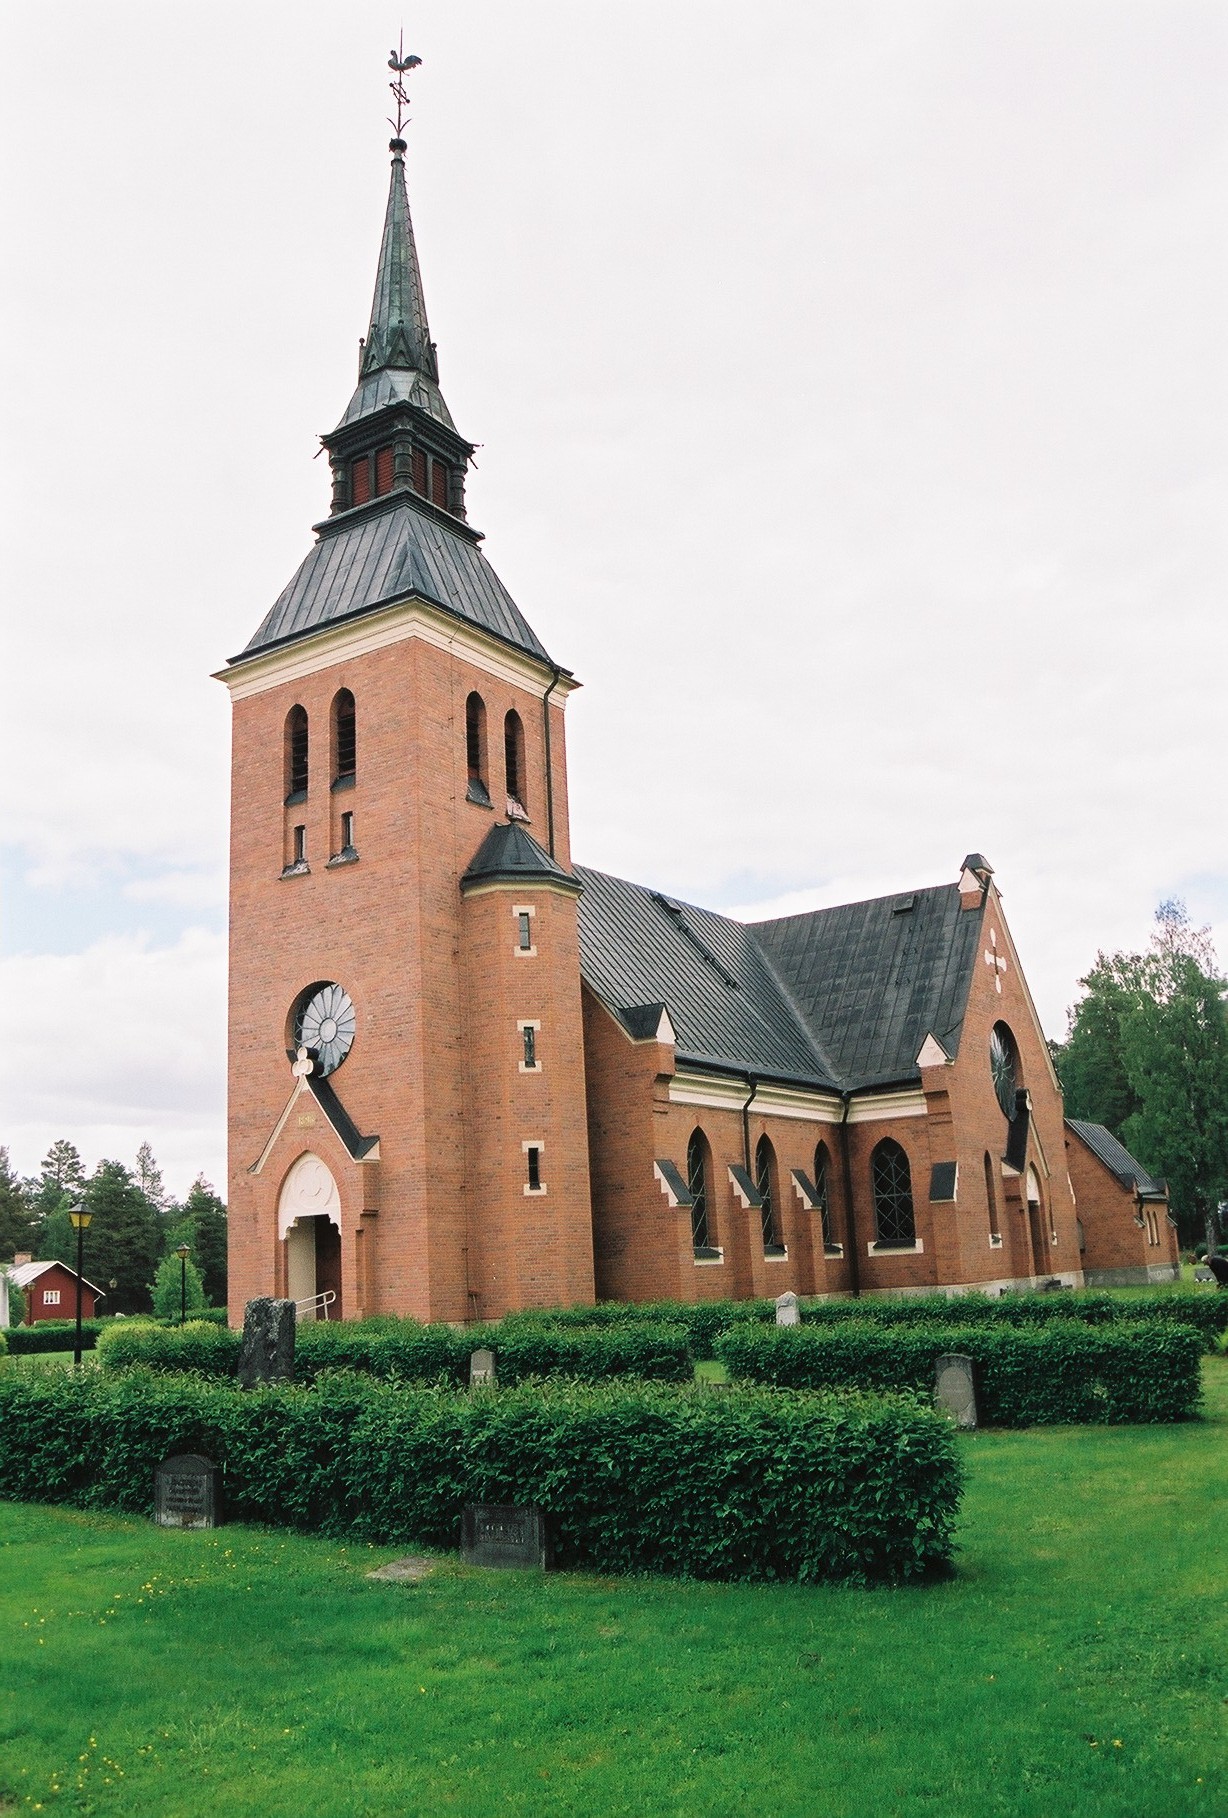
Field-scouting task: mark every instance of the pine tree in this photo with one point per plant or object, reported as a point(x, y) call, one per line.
point(16, 1213)
point(124, 1240)
point(201, 1223)
point(61, 1177)
point(149, 1178)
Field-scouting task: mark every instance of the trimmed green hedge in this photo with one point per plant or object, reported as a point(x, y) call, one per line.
point(408, 1352)
point(635, 1478)
point(1207, 1312)
point(701, 1319)
point(52, 1335)
point(1061, 1372)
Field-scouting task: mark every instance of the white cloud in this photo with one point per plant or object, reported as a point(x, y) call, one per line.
point(121, 1044)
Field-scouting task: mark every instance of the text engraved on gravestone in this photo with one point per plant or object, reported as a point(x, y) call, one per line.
point(185, 1492)
point(482, 1369)
point(502, 1535)
point(788, 1310)
point(954, 1389)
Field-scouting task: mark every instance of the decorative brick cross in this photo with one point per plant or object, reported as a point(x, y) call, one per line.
point(996, 960)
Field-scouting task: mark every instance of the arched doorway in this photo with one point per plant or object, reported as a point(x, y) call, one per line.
point(309, 1223)
point(1036, 1225)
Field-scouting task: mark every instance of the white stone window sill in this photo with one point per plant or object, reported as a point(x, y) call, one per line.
point(833, 1249)
point(533, 1192)
point(995, 1240)
point(781, 1256)
point(527, 1069)
point(711, 1262)
point(917, 1249)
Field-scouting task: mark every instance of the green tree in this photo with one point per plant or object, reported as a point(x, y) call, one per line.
point(57, 1241)
point(201, 1223)
point(149, 1178)
point(169, 1284)
point(61, 1174)
point(124, 1240)
point(16, 1213)
point(1147, 1054)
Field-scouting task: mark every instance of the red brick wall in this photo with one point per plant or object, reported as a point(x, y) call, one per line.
point(387, 928)
point(1107, 1211)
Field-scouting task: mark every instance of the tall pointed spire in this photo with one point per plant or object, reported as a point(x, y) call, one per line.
point(399, 335)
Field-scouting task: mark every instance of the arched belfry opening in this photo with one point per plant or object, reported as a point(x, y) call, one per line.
point(309, 1224)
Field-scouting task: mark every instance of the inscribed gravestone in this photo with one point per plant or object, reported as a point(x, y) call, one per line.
point(788, 1310)
point(954, 1389)
point(482, 1369)
point(185, 1492)
point(501, 1536)
point(268, 1343)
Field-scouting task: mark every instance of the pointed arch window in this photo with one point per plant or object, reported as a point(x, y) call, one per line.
point(765, 1181)
point(513, 765)
point(822, 1193)
point(475, 749)
point(345, 738)
point(895, 1223)
point(697, 1177)
point(296, 754)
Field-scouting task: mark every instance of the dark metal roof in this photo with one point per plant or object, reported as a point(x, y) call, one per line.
point(399, 553)
point(871, 980)
point(399, 361)
point(726, 1006)
point(510, 854)
point(1117, 1158)
point(356, 1144)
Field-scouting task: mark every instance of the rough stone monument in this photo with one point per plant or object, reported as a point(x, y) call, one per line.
point(482, 1369)
point(954, 1389)
point(503, 1536)
point(185, 1492)
point(788, 1310)
point(268, 1343)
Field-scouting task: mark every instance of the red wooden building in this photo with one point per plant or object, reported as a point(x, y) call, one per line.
point(50, 1290)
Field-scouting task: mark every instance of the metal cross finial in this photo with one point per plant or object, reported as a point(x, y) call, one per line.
point(399, 62)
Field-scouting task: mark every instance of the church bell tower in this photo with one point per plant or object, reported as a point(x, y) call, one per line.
point(406, 1066)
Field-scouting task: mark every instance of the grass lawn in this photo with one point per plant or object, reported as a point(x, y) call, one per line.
point(1076, 1666)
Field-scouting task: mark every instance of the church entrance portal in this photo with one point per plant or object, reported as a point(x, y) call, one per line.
point(309, 1222)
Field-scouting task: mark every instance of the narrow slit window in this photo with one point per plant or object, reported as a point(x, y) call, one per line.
point(345, 736)
point(360, 480)
point(524, 931)
point(300, 846)
point(475, 749)
point(533, 1157)
point(530, 1048)
point(513, 761)
point(296, 754)
point(347, 831)
point(991, 1198)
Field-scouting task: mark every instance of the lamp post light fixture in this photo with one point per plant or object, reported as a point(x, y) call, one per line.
point(80, 1223)
point(183, 1251)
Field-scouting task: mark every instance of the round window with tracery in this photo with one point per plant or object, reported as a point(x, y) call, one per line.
point(324, 1024)
point(1004, 1066)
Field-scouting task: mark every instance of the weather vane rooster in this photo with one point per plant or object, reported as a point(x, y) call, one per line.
point(399, 62)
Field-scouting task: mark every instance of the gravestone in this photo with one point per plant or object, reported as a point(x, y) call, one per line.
point(954, 1389)
point(788, 1310)
point(185, 1492)
point(482, 1369)
point(412, 1569)
point(268, 1343)
point(503, 1536)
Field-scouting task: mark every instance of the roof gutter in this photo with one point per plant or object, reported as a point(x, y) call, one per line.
point(554, 682)
point(753, 1083)
point(846, 1170)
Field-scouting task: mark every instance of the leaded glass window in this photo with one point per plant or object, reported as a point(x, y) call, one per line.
point(764, 1171)
point(1004, 1066)
point(894, 1220)
point(324, 1024)
point(697, 1182)
point(345, 736)
point(296, 753)
point(823, 1195)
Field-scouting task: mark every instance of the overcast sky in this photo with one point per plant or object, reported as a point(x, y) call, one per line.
point(850, 384)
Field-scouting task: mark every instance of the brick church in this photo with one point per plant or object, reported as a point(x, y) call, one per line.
point(467, 1075)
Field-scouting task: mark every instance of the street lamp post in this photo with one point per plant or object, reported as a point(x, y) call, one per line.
point(183, 1251)
point(80, 1223)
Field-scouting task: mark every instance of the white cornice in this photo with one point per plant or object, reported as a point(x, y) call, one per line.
point(879, 1105)
point(333, 644)
point(717, 1092)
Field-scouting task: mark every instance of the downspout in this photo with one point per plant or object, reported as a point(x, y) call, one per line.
point(554, 682)
point(753, 1083)
point(846, 1169)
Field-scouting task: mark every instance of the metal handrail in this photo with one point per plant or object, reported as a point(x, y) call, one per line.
point(316, 1303)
